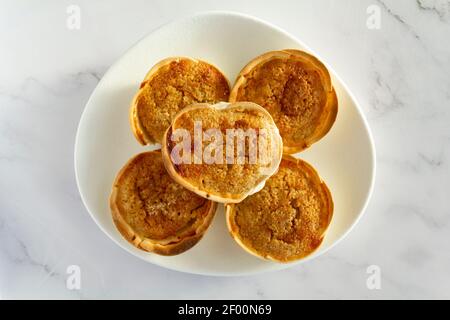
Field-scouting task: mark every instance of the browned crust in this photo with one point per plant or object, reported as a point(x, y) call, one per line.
point(221, 198)
point(234, 229)
point(136, 126)
point(168, 247)
point(139, 132)
point(330, 110)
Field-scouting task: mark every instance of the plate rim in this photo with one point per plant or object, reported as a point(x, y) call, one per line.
point(279, 267)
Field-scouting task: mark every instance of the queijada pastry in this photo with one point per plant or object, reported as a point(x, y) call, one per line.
point(296, 89)
point(169, 86)
point(287, 219)
point(153, 212)
point(223, 152)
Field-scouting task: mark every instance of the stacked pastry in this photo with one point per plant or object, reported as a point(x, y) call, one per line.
point(277, 207)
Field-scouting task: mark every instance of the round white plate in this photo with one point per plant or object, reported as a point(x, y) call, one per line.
point(345, 158)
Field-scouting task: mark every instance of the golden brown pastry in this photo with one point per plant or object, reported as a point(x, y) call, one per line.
point(296, 89)
point(169, 86)
point(287, 219)
point(153, 212)
point(231, 173)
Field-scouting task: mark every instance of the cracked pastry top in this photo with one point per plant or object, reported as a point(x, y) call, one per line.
point(231, 173)
point(153, 212)
point(169, 86)
point(287, 219)
point(296, 89)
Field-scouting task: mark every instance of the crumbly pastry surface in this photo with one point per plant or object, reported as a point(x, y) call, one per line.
point(287, 219)
point(154, 212)
point(296, 89)
point(226, 182)
point(170, 86)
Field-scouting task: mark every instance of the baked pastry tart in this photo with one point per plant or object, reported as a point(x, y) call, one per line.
point(168, 87)
point(153, 212)
point(287, 219)
point(223, 152)
point(296, 89)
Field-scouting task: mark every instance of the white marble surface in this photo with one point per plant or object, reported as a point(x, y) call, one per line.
point(400, 74)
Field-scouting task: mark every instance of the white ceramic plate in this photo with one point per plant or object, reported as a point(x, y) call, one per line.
point(345, 158)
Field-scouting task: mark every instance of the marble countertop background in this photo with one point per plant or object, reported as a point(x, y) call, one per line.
point(400, 73)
